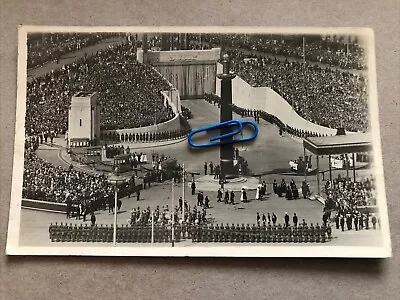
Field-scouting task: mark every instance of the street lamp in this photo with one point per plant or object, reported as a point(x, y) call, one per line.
point(115, 179)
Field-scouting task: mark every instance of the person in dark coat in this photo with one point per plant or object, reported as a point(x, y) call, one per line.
point(180, 204)
point(207, 202)
point(325, 218)
point(295, 191)
point(274, 219)
point(337, 219)
point(137, 195)
point(232, 198)
point(286, 219)
point(264, 219)
point(342, 222)
point(93, 219)
point(219, 196)
point(295, 219)
point(193, 186)
point(275, 187)
point(289, 195)
point(283, 186)
point(205, 168)
point(355, 220)
point(305, 189)
point(199, 202)
point(373, 220)
point(226, 197)
point(348, 222)
point(367, 221)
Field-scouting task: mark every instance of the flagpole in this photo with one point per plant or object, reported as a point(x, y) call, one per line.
point(183, 192)
point(173, 215)
point(152, 228)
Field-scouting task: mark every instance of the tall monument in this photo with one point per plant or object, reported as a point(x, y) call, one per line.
point(84, 120)
point(226, 151)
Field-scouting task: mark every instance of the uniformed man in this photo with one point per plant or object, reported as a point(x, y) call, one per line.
point(258, 219)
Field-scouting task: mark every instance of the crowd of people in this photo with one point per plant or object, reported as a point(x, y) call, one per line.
point(333, 51)
point(166, 216)
point(47, 182)
point(346, 195)
point(45, 47)
point(129, 93)
point(323, 96)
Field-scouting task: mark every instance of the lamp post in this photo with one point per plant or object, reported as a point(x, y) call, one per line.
point(115, 179)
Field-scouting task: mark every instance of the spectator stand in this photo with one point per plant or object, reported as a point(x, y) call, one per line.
point(333, 145)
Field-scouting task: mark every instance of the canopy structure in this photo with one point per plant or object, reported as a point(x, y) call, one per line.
point(339, 144)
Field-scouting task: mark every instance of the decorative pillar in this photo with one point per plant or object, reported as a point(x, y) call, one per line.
point(226, 151)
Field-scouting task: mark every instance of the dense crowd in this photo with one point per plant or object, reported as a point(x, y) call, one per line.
point(333, 51)
point(321, 95)
point(45, 47)
point(129, 92)
point(44, 181)
point(346, 195)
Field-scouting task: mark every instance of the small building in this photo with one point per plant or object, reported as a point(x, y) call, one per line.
point(84, 120)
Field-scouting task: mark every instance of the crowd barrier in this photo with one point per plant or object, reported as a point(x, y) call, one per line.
point(197, 233)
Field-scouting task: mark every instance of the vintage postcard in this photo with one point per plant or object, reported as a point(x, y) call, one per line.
point(197, 141)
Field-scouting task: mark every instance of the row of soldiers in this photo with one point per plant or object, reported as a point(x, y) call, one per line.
point(104, 234)
point(144, 137)
point(198, 233)
point(260, 234)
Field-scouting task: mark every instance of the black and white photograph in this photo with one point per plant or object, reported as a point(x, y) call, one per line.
point(197, 141)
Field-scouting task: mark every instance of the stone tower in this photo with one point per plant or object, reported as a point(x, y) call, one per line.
point(84, 120)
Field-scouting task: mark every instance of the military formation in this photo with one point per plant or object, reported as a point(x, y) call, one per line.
point(197, 233)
